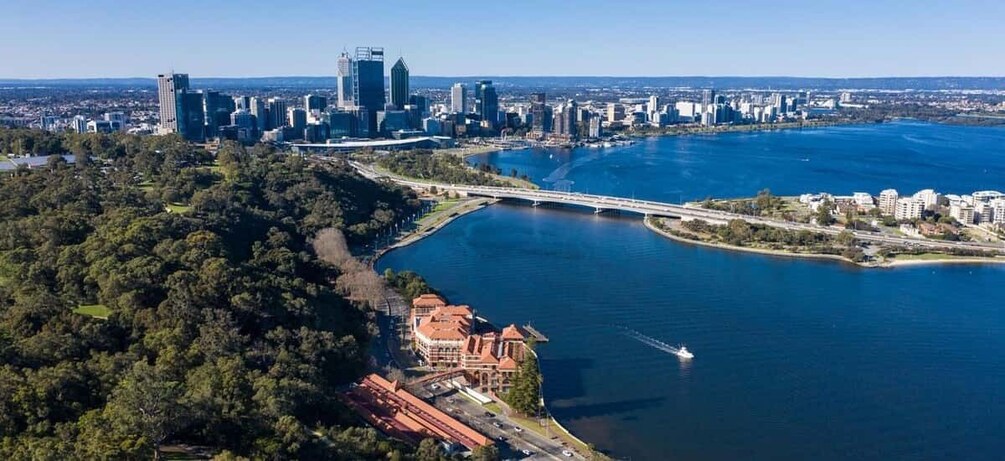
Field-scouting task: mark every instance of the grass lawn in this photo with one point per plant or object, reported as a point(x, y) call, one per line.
point(177, 208)
point(98, 311)
point(444, 205)
point(932, 257)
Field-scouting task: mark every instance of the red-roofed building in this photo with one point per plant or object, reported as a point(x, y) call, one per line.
point(395, 411)
point(442, 336)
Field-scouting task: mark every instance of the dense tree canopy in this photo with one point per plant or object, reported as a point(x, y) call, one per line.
point(222, 328)
point(424, 164)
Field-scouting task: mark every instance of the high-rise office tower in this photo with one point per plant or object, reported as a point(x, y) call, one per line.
point(420, 102)
point(540, 120)
point(277, 113)
point(191, 117)
point(168, 88)
point(242, 103)
point(707, 98)
point(313, 102)
point(368, 82)
point(343, 77)
point(79, 124)
point(298, 120)
point(217, 108)
point(487, 102)
point(261, 113)
point(399, 84)
point(458, 99)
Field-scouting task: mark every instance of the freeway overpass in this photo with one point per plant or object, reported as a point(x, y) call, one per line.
point(601, 203)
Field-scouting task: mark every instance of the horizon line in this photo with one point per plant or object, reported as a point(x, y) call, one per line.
point(521, 76)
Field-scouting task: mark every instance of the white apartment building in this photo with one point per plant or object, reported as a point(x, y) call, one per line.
point(888, 201)
point(962, 212)
point(909, 208)
point(863, 200)
point(928, 196)
point(998, 211)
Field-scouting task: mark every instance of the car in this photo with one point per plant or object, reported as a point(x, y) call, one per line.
point(489, 414)
point(526, 452)
point(501, 438)
point(434, 387)
point(496, 424)
point(567, 453)
point(517, 428)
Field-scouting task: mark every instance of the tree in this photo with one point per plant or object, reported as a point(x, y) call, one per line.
point(429, 450)
point(485, 453)
point(525, 393)
point(145, 407)
point(823, 214)
point(845, 238)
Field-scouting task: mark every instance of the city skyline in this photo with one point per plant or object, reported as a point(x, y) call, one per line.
point(641, 39)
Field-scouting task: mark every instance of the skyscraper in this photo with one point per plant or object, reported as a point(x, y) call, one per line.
point(343, 76)
point(540, 119)
point(168, 87)
point(707, 98)
point(399, 84)
point(313, 102)
point(259, 110)
point(191, 118)
point(217, 108)
point(298, 120)
point(458, 99)
point(277, 113)
point(368, 82)
point(487, 102)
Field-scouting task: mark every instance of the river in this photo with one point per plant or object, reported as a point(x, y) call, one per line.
point(795, 359)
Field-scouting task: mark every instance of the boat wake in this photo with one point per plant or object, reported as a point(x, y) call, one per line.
point(680, 351)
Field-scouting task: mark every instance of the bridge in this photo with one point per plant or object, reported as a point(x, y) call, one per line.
point(647, 208)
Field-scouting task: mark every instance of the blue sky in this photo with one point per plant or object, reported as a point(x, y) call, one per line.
point(821, 38)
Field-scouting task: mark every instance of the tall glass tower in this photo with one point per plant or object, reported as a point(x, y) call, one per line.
point(343, 76)
point(399, 84)
point(368, 81)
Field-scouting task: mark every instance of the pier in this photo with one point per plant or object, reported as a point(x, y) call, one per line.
point(537, 335)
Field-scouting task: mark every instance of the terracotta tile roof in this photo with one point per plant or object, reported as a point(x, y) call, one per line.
point(391, 408)
point(428, 301)
point(512, 333)
point(507, 364)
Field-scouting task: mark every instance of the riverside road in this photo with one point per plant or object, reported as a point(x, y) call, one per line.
point(601, 203)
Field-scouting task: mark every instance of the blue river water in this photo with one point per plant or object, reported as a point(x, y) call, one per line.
point(795, 359)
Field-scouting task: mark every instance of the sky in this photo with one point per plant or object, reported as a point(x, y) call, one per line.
point(254, 38)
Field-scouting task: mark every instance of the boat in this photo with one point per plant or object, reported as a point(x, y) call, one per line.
point(680, 351)
point(683, 353)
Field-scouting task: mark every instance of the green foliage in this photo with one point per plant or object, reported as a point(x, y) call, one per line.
point(485, 453)
point(525, 394)
point(765, 204)
point(823, 213)
point(222, 328)
point(424, 164)
point(407, 283)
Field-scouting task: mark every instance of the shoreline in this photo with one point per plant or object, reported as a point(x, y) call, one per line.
point(462, 209)
point(888, 263)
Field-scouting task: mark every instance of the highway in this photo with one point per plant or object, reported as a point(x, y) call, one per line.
point(601, 203)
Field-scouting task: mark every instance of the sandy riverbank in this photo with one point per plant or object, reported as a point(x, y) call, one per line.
point(888, 263)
